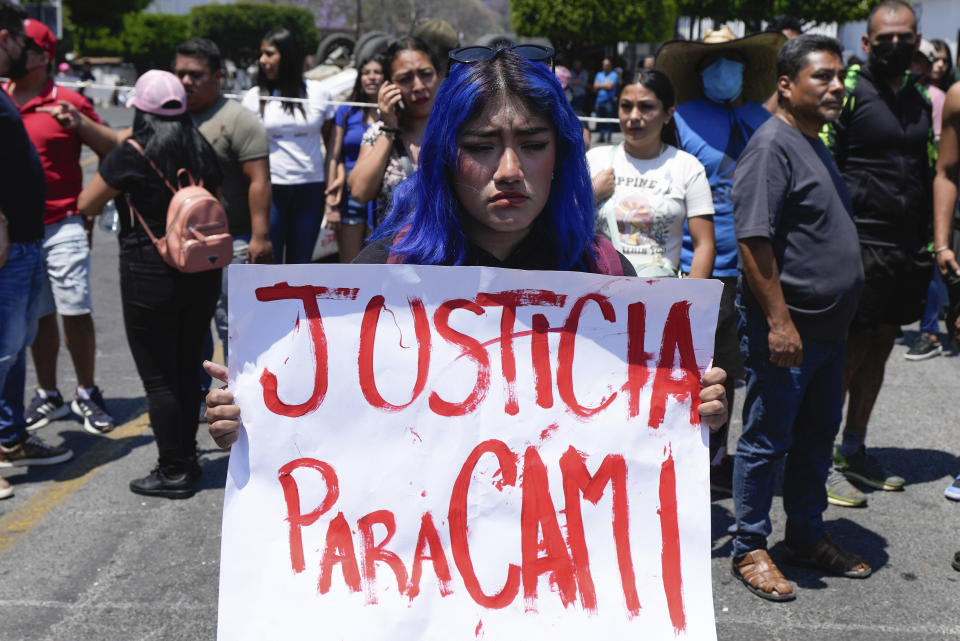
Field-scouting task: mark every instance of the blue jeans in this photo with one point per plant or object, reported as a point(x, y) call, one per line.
point(936, 295)
point(787, 412)
point(296, 212)
point(606, 109)
point(21, 282)
point(241, 243)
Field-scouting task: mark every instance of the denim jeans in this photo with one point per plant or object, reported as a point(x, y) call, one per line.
point(936, 298)
point(787, 412)
point(21, 282)
point(296, 212)
point(166, 315)
point(240, 245)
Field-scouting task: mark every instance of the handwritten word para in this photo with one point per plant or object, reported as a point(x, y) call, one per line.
point(677, 341)
point(566, 560)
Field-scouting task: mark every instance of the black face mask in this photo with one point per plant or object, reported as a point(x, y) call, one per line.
point(18, 67)
point(891, 59)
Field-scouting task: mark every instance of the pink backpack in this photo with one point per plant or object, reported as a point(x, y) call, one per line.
point(197, 237)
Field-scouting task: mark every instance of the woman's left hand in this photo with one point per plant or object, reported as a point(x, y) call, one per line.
point(332, 218)
point(603, 185)
point(713, 409)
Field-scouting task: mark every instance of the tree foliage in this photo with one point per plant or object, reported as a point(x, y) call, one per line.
point(151, 39)
point(239, 28)
point(755, 11)
point(88, 16)
point(598, 21)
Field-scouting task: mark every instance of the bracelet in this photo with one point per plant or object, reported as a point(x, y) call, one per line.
point(937, 250)
point(390, 130)
point(390, 134)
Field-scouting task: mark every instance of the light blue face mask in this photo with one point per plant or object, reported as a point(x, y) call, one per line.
point(723, 80)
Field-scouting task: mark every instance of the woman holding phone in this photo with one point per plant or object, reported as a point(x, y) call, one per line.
point(390, 149)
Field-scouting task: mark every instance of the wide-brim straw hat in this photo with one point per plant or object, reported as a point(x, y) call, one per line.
point(680, 60)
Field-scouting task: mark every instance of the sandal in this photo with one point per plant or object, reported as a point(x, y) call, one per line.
point(829, 557)
point(757, 571)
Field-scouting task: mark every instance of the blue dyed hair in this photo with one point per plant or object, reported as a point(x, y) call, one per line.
point(425, 208)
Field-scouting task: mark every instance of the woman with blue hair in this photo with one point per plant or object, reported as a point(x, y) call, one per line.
point(502, 182)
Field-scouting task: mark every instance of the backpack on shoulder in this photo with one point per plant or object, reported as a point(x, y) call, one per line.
point(197, 237)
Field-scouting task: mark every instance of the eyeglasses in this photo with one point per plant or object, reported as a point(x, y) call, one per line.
point(478, 53)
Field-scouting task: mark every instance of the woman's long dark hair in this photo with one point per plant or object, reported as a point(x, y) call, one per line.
point(407, 43)
point(359, 95)
point(289, 74)
point(173, 143)
point(659, 83)
point(942, 47)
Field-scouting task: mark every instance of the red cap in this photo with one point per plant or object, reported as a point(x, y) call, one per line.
point(42, 36)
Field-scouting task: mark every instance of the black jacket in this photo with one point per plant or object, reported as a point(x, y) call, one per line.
point(884, 146)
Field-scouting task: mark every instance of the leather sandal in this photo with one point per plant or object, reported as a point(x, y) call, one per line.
point(826, 555)
point(757, 571)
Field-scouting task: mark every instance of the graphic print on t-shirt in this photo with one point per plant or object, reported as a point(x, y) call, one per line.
point(642, 215)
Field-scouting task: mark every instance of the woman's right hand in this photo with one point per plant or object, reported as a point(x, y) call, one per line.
point(223, 415)
point(603, 185)
point(387, 98)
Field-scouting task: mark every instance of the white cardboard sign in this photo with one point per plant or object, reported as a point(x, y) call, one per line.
point(466, 453)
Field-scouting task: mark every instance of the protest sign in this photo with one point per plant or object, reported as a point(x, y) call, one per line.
point(466, 453)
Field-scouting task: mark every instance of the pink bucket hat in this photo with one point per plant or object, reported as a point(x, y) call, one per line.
point(160, 93)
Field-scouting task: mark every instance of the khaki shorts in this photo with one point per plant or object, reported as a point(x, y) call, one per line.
point(66, 251)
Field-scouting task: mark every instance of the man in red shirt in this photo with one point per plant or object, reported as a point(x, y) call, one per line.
point(59, 121)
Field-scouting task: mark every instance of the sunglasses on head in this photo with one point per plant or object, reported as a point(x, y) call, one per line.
point(478, 53)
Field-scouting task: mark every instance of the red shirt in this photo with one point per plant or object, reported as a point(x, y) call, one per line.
point(58, 147)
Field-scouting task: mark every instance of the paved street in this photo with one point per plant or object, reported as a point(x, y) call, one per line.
point(83, 558)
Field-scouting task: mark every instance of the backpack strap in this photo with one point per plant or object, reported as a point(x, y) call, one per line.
point(136, 145)
point(133, 210)
point(608, 259)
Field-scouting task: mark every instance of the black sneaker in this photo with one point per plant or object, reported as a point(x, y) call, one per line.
point(157, 483)
point(44, 409)
point(926, 346)
point(93, 411)
point(33, 451)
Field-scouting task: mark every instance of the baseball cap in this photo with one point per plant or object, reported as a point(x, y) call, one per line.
point(41, 36)
point(160, 93)
point(927, 51)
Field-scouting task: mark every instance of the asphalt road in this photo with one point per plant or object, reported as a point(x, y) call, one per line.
point(81, 557)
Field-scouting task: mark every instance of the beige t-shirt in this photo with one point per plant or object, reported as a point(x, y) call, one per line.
point(237, 136)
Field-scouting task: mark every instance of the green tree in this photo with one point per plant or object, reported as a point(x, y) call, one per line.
point(595, 20)
point(753, 12)
point(95, 26)
point(150, 39)
point(238, 28)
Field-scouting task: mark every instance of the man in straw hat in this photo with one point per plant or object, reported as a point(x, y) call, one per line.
point(793, 226)
point(883, 144)
point(721, 84)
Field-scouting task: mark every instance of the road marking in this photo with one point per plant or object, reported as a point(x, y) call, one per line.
point(74, 475)
point(89, 161)
point(21, 521)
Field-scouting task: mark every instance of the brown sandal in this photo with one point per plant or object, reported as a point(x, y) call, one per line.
point(829, 557)
point(758, 572)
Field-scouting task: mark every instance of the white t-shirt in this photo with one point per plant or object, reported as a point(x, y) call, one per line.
point(296, 143)
point(651, 199)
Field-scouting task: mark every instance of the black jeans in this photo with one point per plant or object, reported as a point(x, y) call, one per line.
point(167, 315)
